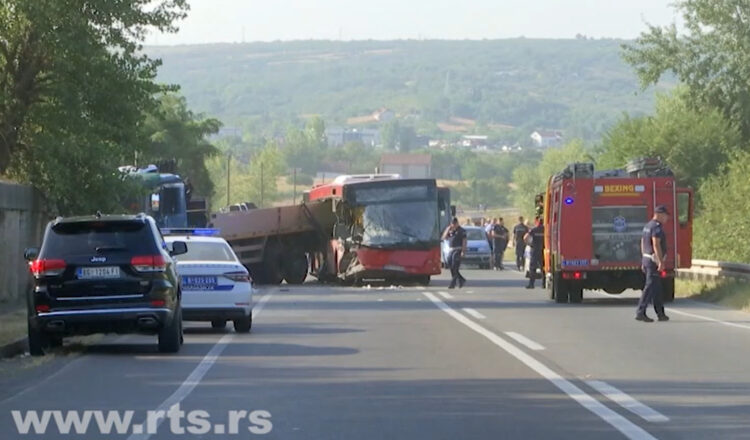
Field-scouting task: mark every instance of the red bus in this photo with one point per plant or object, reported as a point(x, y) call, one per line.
point(386, 229)
point(593, 225)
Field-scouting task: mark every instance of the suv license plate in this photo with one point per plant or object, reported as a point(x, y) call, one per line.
point(87, 273)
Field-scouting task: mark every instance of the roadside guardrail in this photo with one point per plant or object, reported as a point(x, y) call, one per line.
point(704, 270)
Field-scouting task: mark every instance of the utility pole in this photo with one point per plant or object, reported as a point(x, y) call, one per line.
point(294, 196)
point(261, 183)
point(229, 171)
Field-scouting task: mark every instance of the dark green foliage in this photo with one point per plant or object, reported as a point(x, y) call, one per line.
point(723, 227)
point(694, 143)
point(73, 90)
point(712, 58)
point(174, 132)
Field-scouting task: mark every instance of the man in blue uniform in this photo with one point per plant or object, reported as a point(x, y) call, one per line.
point(457, 237)
point(536, 238)
point(654, 249)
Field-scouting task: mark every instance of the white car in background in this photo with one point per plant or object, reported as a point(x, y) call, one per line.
point(216, 287)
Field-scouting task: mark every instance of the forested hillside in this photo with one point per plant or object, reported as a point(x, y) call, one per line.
point(509, 87)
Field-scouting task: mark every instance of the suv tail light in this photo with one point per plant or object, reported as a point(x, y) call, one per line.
point(238, 277)
point(149, 263)
point(47, 268)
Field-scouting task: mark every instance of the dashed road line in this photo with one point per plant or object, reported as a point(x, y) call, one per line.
point(445, 295)
point(474, 313)
point(620, 423)
point(521, 339)
point(628, 402)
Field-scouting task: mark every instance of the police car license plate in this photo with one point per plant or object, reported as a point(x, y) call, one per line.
point(199, 282)
point(103, 272)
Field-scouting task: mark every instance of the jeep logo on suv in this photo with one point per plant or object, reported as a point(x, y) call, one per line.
point(98, 259)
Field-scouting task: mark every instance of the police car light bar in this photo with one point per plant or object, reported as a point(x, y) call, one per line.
point(198, 232)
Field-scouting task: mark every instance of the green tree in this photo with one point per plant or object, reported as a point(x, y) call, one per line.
point(74, 85)
point(712, 58)
point(530, 180)
point(723, 224)
point(695, 144)
point(175, 132)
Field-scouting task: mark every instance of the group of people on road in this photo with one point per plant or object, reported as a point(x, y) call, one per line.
point(653, 248)
point(499, 237)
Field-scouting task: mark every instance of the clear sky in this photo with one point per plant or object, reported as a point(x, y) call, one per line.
point(266, 20)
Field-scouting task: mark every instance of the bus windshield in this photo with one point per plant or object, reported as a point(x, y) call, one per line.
point(398, 217)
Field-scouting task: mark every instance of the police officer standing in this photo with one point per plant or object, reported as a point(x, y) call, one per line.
point(519, 232)
point(499, 235)
point(457, 236)
point(654, 249)
point(535, 237)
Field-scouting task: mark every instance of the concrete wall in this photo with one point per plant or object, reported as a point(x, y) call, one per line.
point(22, 221)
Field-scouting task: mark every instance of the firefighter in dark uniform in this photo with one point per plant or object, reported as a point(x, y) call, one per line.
point(519, 232)
point(535, 238)
point(654, 249)
point(457, 240)
point(499, 235)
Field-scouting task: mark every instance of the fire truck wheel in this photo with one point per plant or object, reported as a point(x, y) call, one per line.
point(668, 290)
point(560, 290)
point(576, 295)
point(294, 268)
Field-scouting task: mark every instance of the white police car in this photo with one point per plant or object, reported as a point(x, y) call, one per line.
point(216, 287)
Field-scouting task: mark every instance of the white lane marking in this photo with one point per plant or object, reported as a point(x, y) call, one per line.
point(620, 423)
point(445, 295)
point(262, 303)
point(525, 341)
point(628, 402)
point(706, 318)
point(474, 313)
point(198, 373)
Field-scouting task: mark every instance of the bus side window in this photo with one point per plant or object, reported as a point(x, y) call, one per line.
point(683, 208)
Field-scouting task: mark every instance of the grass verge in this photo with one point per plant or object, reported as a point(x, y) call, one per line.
point(12, 326)
point(727, 293)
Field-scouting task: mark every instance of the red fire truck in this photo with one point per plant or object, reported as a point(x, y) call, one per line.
point(593, 225)
point(386, 228)
point(354, 229)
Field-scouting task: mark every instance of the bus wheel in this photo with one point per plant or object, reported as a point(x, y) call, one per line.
point(294, 268)
point(423, 280)
point(668, 290)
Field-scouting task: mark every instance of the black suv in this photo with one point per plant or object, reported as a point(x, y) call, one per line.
point(104, 274)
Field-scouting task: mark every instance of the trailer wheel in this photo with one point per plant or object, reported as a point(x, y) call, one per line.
point(294, 267)
point(272, 265)
point(668, 290)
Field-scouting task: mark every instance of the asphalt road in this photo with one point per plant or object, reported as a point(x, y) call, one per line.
point(490, 361)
